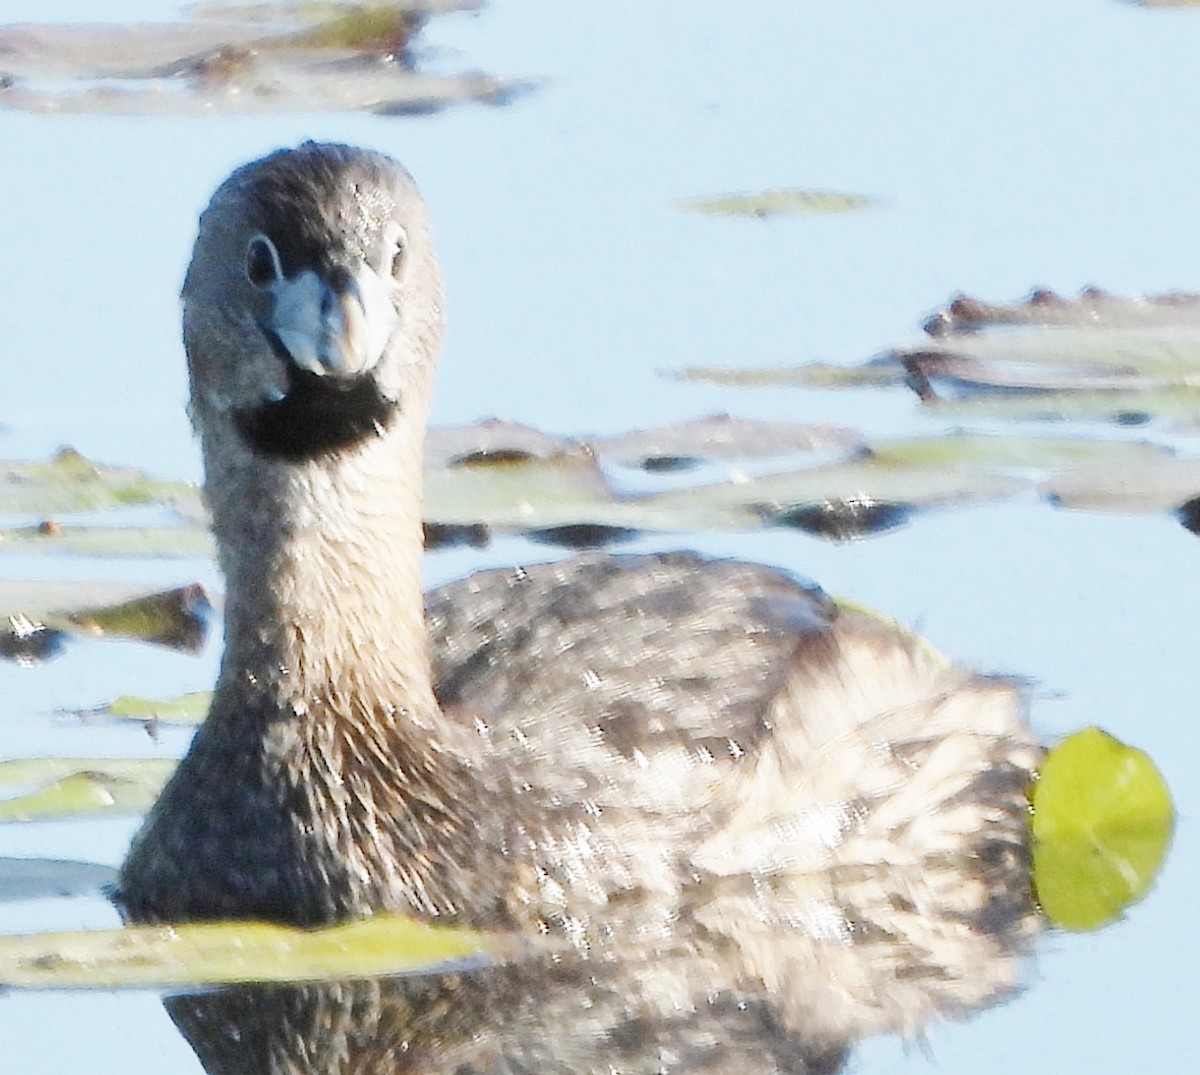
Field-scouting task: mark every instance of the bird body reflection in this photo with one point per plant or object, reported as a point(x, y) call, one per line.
point(755, 825)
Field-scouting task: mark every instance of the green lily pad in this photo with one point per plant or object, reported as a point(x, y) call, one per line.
point(70, 789)
point(70, 482)
point(1102, 823)
point(36, 615)
point(516, 492)
point(227, 953)
point(1014, 452)
point(177, 618)
point(185, 709)
point(386, 28)
point(144, 542)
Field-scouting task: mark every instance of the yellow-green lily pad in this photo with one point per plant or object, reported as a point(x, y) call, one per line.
point(70, 482)
point(190, 708)
point(1102, 823)
point(67, 789)
point(227, 953)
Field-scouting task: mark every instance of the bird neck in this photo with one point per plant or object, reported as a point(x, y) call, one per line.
point(322, 560)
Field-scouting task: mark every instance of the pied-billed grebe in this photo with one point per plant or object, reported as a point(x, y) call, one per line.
point(664, 750)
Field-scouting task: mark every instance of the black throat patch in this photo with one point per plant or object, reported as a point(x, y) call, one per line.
point(317, 416)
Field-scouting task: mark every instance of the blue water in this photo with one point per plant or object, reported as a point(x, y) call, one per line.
point(1009, 144)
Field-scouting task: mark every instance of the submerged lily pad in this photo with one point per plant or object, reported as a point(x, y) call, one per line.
point(228, 953)
point(1102, 823)
point(37, 879)
point(75, 788)
point(765, 203)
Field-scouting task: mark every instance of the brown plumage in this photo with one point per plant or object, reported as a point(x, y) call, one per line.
point(701, 772)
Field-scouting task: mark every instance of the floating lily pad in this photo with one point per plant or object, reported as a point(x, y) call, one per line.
point(238, 59)
point(38, 599)
point(1131, 362)
point(382, 28)
point(720, 437)
point(517, 492)
point(1148, 486)
point(1179, 404)
point(74, 788)
point(36, 615)
point(227, 953)
point(71, 483)
point(143, 542)
point(1096, 356)
point(779, 499)
point(1092, 308)
point(765, 203)
point(875, 374)
point(492, 440)
point(177, 618)
point(1015, 452)
point(1048, 357)
point(497, 477)
point(188, 708)
point(1102, 823)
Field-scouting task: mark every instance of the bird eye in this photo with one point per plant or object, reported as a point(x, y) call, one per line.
point(398, 257)
point(262, 262)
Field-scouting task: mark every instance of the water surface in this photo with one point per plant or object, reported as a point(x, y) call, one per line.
point(1010, 144)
